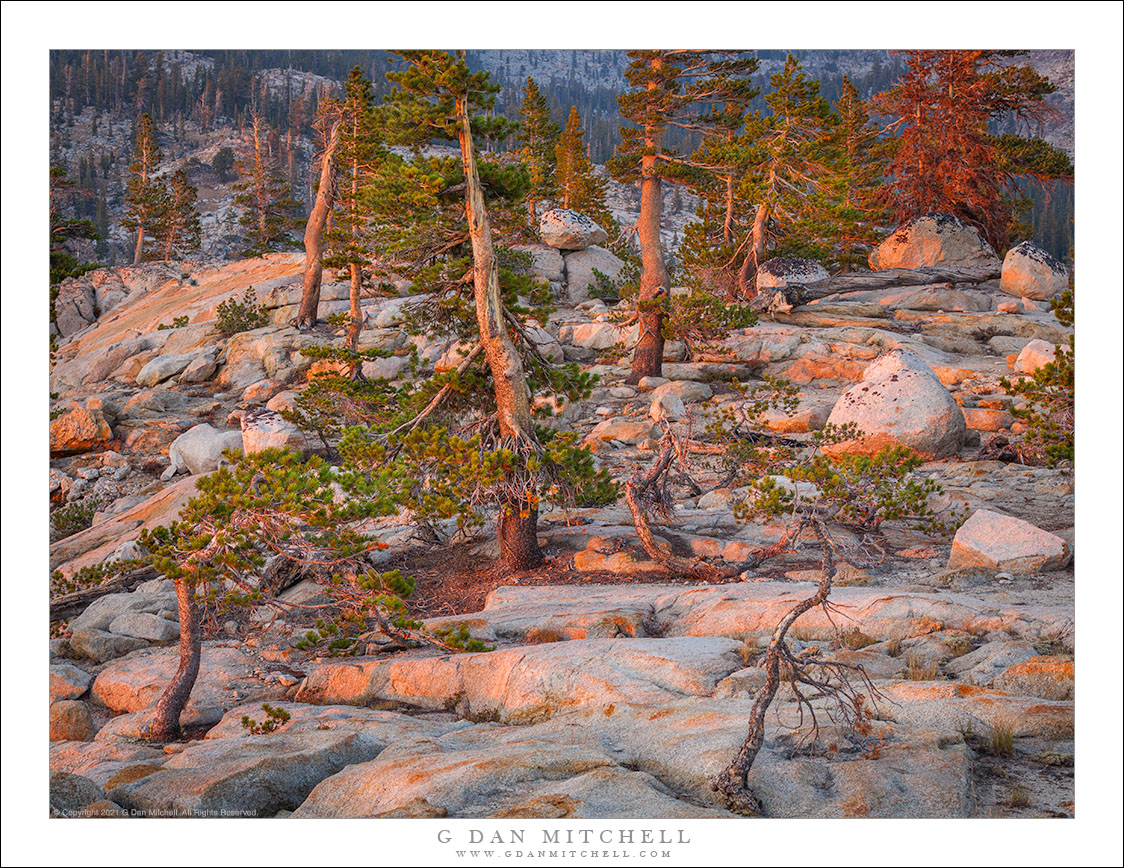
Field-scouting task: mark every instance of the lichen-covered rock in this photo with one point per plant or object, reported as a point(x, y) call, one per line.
point(788, 270)
point(565, 229)
point(934, 239)
point(263, 428)
point(1044, 677)
point(900, 402)
point(1004, 543)
point(1031, 272)
point(71, 795)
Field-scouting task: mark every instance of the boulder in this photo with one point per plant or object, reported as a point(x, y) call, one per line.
point(70, 721)
point(68, 681)
point(200, 449)
point(687, 391)
point(565, 229)
point(145, 625)
point(787, 270)
point(900, 402)
point(263, 428)
point(597, 335)
point(92, 633)
point(546, 262)
point(80, 428)
point(631, 431)
point(667, 406)
point(1034, 355)
point(75, 306)
point(579, 268)
point(1003, 543)
point(380, 369)
point(1031, 272)
point(164, 368)
point(934, 239)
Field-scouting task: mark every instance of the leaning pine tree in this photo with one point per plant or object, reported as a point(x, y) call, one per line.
point(670, 88)
point(437, 97)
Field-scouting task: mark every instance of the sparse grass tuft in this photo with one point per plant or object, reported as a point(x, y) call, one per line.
point(855, 639)
point(1019, 797)
point(1002, 741)
point(918, 670)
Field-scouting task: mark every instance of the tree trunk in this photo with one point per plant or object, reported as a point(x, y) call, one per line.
point(733, 781)
point(138, 253)
point(518, 522)
point(165, 725)
point(356, 311)
point(747, 278)
point(314, 237)
point(648, 358)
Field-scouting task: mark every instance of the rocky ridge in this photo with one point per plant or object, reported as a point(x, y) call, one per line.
point(599, 699)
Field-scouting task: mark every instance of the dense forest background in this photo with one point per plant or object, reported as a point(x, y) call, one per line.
point(202, 100)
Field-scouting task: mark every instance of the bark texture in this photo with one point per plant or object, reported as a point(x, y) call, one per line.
point(165, 725)
point(647, 361)
point(518, 522)
point(314, 236)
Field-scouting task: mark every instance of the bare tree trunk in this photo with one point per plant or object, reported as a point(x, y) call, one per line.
point(518, 521)
point(356, 311)
point(648, 358)
point(733, 781)
point(728, 223)
point(166, 717)
point(314, 236)
point(747, 278)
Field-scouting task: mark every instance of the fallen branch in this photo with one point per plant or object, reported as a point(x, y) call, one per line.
point(69, 605)
point(794, 294)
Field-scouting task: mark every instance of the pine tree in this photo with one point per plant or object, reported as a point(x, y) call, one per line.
point(854, 185)
point(670, 89)
point(145, 196)
point(178, 231)
point(789, 155)
point(361, 152)
point(578, 187)
point(436, 97)
point(538, 135)
point(947, 158)
point(268, 207)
